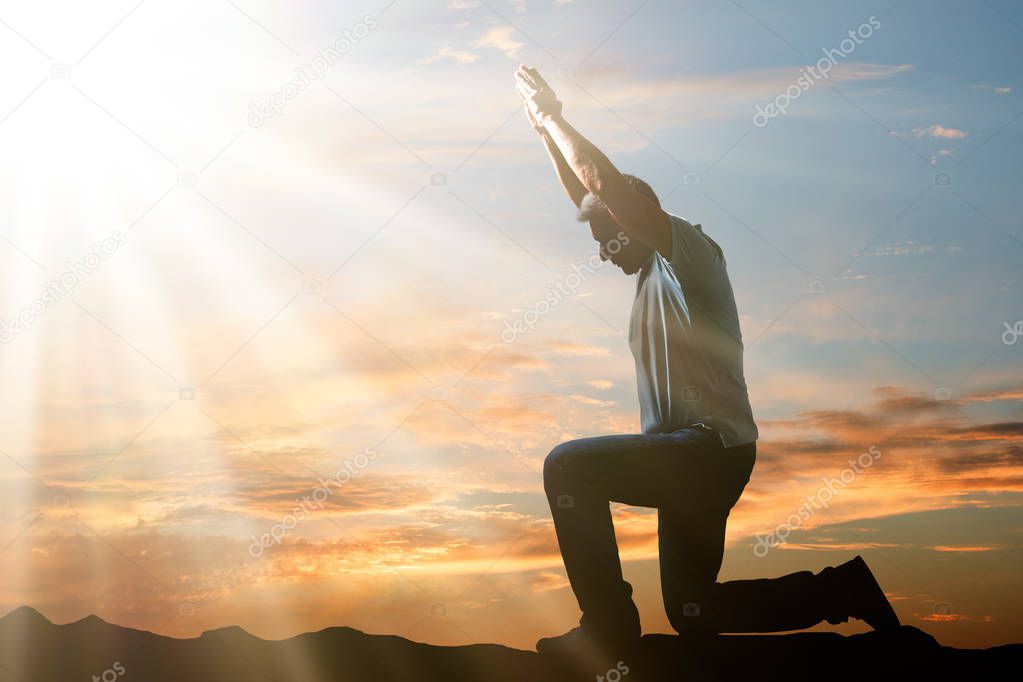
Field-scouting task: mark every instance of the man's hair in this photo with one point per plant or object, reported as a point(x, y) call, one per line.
point(591, 204)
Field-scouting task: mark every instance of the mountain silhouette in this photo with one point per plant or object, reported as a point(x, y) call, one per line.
point(32, 649)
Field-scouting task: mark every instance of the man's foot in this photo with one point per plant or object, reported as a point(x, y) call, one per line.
point(583, 647)
point(866, 598)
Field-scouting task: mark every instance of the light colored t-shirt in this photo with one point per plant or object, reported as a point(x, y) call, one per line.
point(684, 334)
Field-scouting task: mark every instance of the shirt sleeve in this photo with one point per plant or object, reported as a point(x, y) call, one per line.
point(693, 254)
point(700, 269)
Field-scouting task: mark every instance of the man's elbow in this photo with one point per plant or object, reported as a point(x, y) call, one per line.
point(592, 179)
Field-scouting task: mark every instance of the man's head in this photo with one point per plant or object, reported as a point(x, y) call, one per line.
point(625, 251)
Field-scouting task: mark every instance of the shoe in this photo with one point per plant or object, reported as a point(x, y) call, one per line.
point(868, 602)
point(583, 646)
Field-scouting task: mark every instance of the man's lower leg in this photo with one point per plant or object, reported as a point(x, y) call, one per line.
point(801, 600)
point(582, 521)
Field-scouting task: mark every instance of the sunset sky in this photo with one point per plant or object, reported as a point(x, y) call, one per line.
point(252, 299)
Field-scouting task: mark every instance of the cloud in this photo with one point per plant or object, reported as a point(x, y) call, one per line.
point(576, 349)
point(587, 400)
point(837, 547)
point(907, 248)
point(545, 581)
point(996, 395)
point(654, 103)
point(500, 38)
point(925, 445)
point(940, 132)
point(932, 459)
point(363, 493)
point(460, 57)
point(997, 89)
point(950, 617)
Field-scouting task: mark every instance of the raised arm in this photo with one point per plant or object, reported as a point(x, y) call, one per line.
point(575, 189)
point(637, 215)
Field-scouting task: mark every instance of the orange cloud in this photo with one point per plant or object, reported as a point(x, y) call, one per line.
point(940, 132)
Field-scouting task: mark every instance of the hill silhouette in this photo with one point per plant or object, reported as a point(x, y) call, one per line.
point(32, 649)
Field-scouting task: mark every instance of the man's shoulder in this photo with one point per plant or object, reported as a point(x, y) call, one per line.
point(679, 219)
point(684, 222)
point(690, 242)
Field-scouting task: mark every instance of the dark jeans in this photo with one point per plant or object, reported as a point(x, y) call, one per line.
point(693, 481)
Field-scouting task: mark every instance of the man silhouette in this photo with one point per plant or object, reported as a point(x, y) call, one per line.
point(697, 448)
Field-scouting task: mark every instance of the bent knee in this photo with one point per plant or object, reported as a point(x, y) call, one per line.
point(691, 617)
point(554, 465)
point(558, 465)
